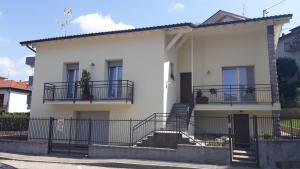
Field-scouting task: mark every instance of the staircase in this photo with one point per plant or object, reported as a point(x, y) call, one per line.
point(164, 139)
point(172, 133)
point(244, 156)
point(179, 117)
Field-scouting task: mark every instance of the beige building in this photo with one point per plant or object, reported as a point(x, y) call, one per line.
point(224, 66)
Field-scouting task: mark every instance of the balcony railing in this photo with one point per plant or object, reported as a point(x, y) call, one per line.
point(233, 94)
point(118, 90)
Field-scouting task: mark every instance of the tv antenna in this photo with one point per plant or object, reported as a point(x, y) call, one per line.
point(265, 11)
point(65, 23)
point(244, 9)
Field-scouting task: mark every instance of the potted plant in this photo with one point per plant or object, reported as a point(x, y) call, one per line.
point(201, 99)
point(85, 85)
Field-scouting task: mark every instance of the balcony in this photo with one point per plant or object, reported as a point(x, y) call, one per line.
point(119, 91)
point(233, 94)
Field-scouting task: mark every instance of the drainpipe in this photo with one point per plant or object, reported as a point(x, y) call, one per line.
point(31, 48)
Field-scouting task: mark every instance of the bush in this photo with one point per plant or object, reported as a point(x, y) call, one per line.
point(14, 115)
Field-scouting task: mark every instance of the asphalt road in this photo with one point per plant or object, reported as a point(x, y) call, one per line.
point(12, 164)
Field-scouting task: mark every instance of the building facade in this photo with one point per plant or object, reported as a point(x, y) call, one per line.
point(224, 66)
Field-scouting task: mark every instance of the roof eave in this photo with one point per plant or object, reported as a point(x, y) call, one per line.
point(279, 19)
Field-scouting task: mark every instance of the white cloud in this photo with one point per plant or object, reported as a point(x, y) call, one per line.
point(178, 7)
point(4, 40)
point(96, 22)
point(15, 68)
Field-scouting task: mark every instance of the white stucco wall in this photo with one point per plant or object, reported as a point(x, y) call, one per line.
point(17, 102)
point(143, 63)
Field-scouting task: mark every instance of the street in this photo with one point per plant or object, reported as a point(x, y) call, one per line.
point(44, 165)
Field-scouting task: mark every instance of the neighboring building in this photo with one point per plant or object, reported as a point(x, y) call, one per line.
point(229, 59)
point(30, 60)
point(289, 46)
point(13, 96)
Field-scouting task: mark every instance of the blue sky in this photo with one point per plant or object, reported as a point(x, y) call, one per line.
point(34, 19)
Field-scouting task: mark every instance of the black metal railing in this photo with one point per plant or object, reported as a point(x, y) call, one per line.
point(233, 94)
point(118, 90)
point(204, 130)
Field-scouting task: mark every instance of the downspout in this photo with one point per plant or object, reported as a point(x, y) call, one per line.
point(31, 48)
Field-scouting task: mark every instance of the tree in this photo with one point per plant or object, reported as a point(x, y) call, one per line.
point(286, 69)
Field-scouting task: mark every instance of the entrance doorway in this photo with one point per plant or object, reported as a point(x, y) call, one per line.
point(241, 131)
point(185, 87)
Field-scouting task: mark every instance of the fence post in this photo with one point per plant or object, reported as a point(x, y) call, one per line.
point(126, 95)
point(230, 95)
point(75, 92)
point(70, 135)
point(130, 132)
point(53, 93)
point(291, 128)
point(132, 90)
point(50, 133)
point(90, 129)
point(155, 122)
point(256, 140)
point(230, 137)
point(44, 93)
point(91, 92)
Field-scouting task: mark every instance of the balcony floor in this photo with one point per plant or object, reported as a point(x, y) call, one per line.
point(107, 102)
point(220, 107)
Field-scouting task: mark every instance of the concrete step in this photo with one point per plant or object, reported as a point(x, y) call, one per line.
point(244, 163)
point(243, 152)
point(244, 157)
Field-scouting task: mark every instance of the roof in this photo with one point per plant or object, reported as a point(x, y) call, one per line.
point(187, 24)
point(292, 32)
point(11, 84)
point(221, 14)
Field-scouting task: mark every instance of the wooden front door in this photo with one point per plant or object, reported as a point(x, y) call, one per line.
point(241, 131)
point(185, 87)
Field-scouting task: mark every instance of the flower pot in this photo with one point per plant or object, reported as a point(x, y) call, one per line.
point(202, 100)
point(86, 96)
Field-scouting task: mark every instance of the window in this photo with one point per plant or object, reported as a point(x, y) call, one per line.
point(236, 80)
point(1, 100)
point(72, 77)
point(115, 73)
point(172, 71)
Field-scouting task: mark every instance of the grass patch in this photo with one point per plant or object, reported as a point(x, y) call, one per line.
point(295, 123)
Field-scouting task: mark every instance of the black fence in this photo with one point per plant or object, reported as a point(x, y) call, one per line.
point(233, 94)
point(203, 130)
point(117, 90)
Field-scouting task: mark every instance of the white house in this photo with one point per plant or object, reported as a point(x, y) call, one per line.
point(223, 66)
point(13, 96)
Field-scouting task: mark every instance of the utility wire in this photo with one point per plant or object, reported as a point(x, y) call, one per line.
point(265, 11)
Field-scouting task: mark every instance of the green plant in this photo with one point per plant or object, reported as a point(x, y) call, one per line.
point(199, 94)
point(286, 68)
point(85, 82)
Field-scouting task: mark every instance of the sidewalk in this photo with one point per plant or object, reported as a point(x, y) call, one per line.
point(117, 163)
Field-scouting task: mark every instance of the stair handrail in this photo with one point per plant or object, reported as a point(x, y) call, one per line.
point(143, 121)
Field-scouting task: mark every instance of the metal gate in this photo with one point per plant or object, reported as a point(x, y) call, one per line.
point(243, 139)
point(69, 135)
